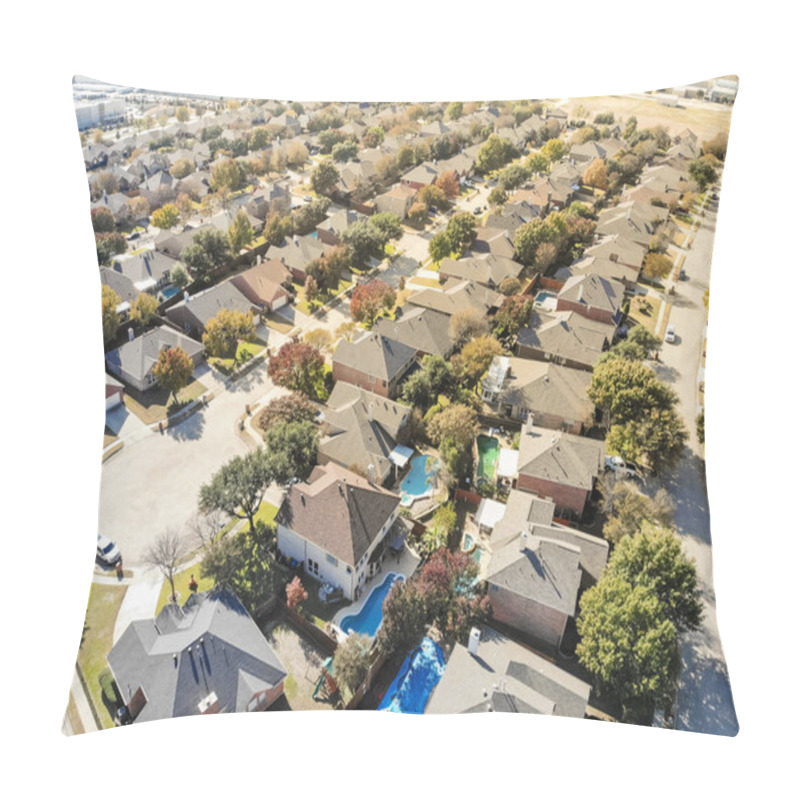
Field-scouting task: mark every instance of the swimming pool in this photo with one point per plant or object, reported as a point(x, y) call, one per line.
point(369, 618)
point(488, 451)
point(468, 546)
point(417, 678)
point(545, 300)
point(420, 479)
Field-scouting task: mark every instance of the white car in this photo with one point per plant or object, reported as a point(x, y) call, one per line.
point(107, 552)
point(669, 336)
point(622, 468)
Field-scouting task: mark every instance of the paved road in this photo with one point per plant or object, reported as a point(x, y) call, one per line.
point(704, 701)
point(152, 484)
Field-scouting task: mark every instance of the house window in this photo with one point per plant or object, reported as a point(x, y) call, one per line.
point(313, 567)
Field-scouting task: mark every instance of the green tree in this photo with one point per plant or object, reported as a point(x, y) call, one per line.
point(494, 153)
point(351, 661)
point(210, 250)
point(654, 559)
point(324, 178)
point(179, 277)
point(404, 619)
point(173, 370)
point(538, 162)
point(657, 437)
point(166, 217)
point(628, 389)
point(701, 427)
point(433, 196)
point(240, 233)
point(144, 308)
point(291, 449)
point(628, 645)
point(474, 359)
point(103, 220)
point(628, 509)
point(703, 173)
point(454, 110)
point(227, 174)
point(554, 149)
point(226, 329)
point(457, 424)
point(182, 114)
point(238, 487)
point(366, 242)
point(513, 176)
point(498, 196)
point(460, 232)
point(344, 151)
point(423, 387)
point(110, 301)
point(513, 316)
point(388, 224)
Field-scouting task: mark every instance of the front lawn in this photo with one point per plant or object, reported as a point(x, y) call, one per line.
point(157, 404)
point(277, 323)
point(304, 306)
point(97, 641)
point(431, 282)
point(266, 513)
point(645, 310)
point(182, 580)
point(244, 352)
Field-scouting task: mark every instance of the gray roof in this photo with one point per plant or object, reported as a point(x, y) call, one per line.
point(505, 676)
point(523, 510)
point(490, 270)
point(361, 428)
point(149, 264)
point(568, 335)
point(424, 329)
point(375, 355)
point(138, 357)
point(541, 569)
point(121, 284)
point(211, 645)
point(594, 291)
point(208, 303)
point(560, 457)
point(457, 296)
point(338, 511)
point(298, 252)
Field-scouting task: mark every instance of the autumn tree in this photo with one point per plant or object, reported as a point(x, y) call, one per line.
point(240, 233)
point(595, 174)
point(319, 338)
point(238, 487)
point(138, 208)
point(405, 619)
point(554, 149)
point(103, 220)
point(628, 509)
point(110, 301)
point(182, 168)
point(657, 265)
point(299, 367)
point(418, 214)
point(369, 299)
point(509, 286)
point(717, 146)
point(474, 359)
point(226, 329)
point(324, 178)
point(467, 324)
point(448, 182)
point(513, 315)
point(296, 154)
point(432, 196)
point(144, 308)
point(166, 217)
point(173, 370)
point(227, 174)
point(295, 593)
point(351, 661)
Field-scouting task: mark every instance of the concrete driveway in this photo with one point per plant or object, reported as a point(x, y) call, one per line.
point(123, 423)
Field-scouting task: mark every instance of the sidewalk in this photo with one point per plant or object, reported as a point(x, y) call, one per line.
point(82, 706)
point(140, 600)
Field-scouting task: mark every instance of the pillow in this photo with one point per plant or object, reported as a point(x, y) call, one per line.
point(404, 407)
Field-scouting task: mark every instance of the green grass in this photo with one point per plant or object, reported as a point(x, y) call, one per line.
point(266, 513)
point(157, 404)
point(244, 352)
point(97, 640)
point(182, 586)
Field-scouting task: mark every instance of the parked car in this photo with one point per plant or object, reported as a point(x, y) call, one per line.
point(477, 210)
point(669, 336)
point(107, 551)
point(622, 468)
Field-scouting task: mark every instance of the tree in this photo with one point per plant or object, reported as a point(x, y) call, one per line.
point(628, 509)
point(374, 136)
point(466, 325)
point(538, 162)
point(240, 232)
point(276, 228)
point(311, 288)
point(144, 308)
point(513, 315)
point(319, 338)
point(439, 247)
point(494, 153)
point(628, 645)
point(654, 558)
point(554, 149)
point(299, 367)
point(457, 424)
point(454, 110)
point(443, 525)
point(210, 250)
point(718, 146)
point(404, 619)
point(388, 225)
point(347, 331)
point(225, 329)
point(307, 217)
point(328, 138)
point(498, 196)
point(206, 527)
point(657, 265)
point(227, 174)
point(510, 286)
point(475, 357)
point(296, 154)
point(110, 301)
point(295, 593)
point(657, 437)
point(700, 424)
point(423, 387)
point(138, 208)
point(291, 450)
point(103, 220)
point(418, 214)
point(166, 554)
point(595, 174)
point(179, 277)
point(369, 299)
point(460, 232)
point(109, 245)
point(366, 241)
point(181, 168)
point(294, 407)
point(513, 176)
point(344, 151)
point(351, 661)
point(588, 133)
point(703, 173)
point(166, 217)
point(182, 114)
point(432, 196)
point(324, 178)
point(238, 487)
point(448, 182)
point(173, 370)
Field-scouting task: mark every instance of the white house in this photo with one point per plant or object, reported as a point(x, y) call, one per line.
point(337, 525)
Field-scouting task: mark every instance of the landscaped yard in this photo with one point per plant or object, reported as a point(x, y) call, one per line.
point(305, 307)
point(244, 352)
point(157, 403)
point(97, 640)
point(182, 580)
point(645, 311)
point(277, 323)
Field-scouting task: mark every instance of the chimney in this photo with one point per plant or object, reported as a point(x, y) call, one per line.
point(523, 541)
point(371, 473)
point(474, 641)
point(130, 334)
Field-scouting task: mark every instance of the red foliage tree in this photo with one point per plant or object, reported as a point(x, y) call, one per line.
point(295, 593)
point(369, 299)
point(449, 184)
point(298, 366)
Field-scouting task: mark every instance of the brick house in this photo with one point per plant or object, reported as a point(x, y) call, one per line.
point(374, 362)
point(593, 297)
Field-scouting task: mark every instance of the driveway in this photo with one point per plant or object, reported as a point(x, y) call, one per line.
point(123, 423)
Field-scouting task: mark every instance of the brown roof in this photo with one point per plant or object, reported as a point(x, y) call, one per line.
point(338, 511)
point(263, 282)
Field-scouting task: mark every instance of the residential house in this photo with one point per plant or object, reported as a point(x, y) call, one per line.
point(461, 163)
point(422, 175)
point(601, 267)
point(193, 313)
point(336, 525)
point(494, 241)
point(423, 329)
point(632, 220)
point(266, 285)
point(398, 200)
point(565, 338)
point(490, 271)
point(548, 395)
point(560, 466)
point(173, 244)
point(331, 229)
point(456, 296)
point(593, 297)
point(584, 154)
point(159, 189)
point(374, 362)
point(148, 270)
point(360, 429)
point(206, 657)
point(116, 203)
point(115, 392)
point(134, 361)
point(494, 673)
point(121, 284)
point(297, 253)
point(197, 185)
point(620, 250)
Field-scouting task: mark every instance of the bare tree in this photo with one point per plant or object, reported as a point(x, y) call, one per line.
point(166, 554)
point(206, 527)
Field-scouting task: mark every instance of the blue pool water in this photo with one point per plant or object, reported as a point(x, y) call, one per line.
point(419, 480)
point(169, 291)
point(369, 619)
point(417, 678)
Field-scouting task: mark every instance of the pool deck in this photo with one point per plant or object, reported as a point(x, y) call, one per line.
point(405, 565)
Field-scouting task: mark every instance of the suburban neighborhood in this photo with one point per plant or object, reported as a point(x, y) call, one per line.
point(404, 407)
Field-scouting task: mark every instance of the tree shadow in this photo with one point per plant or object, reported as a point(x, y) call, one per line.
point(189, 429)
point(254, 378)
